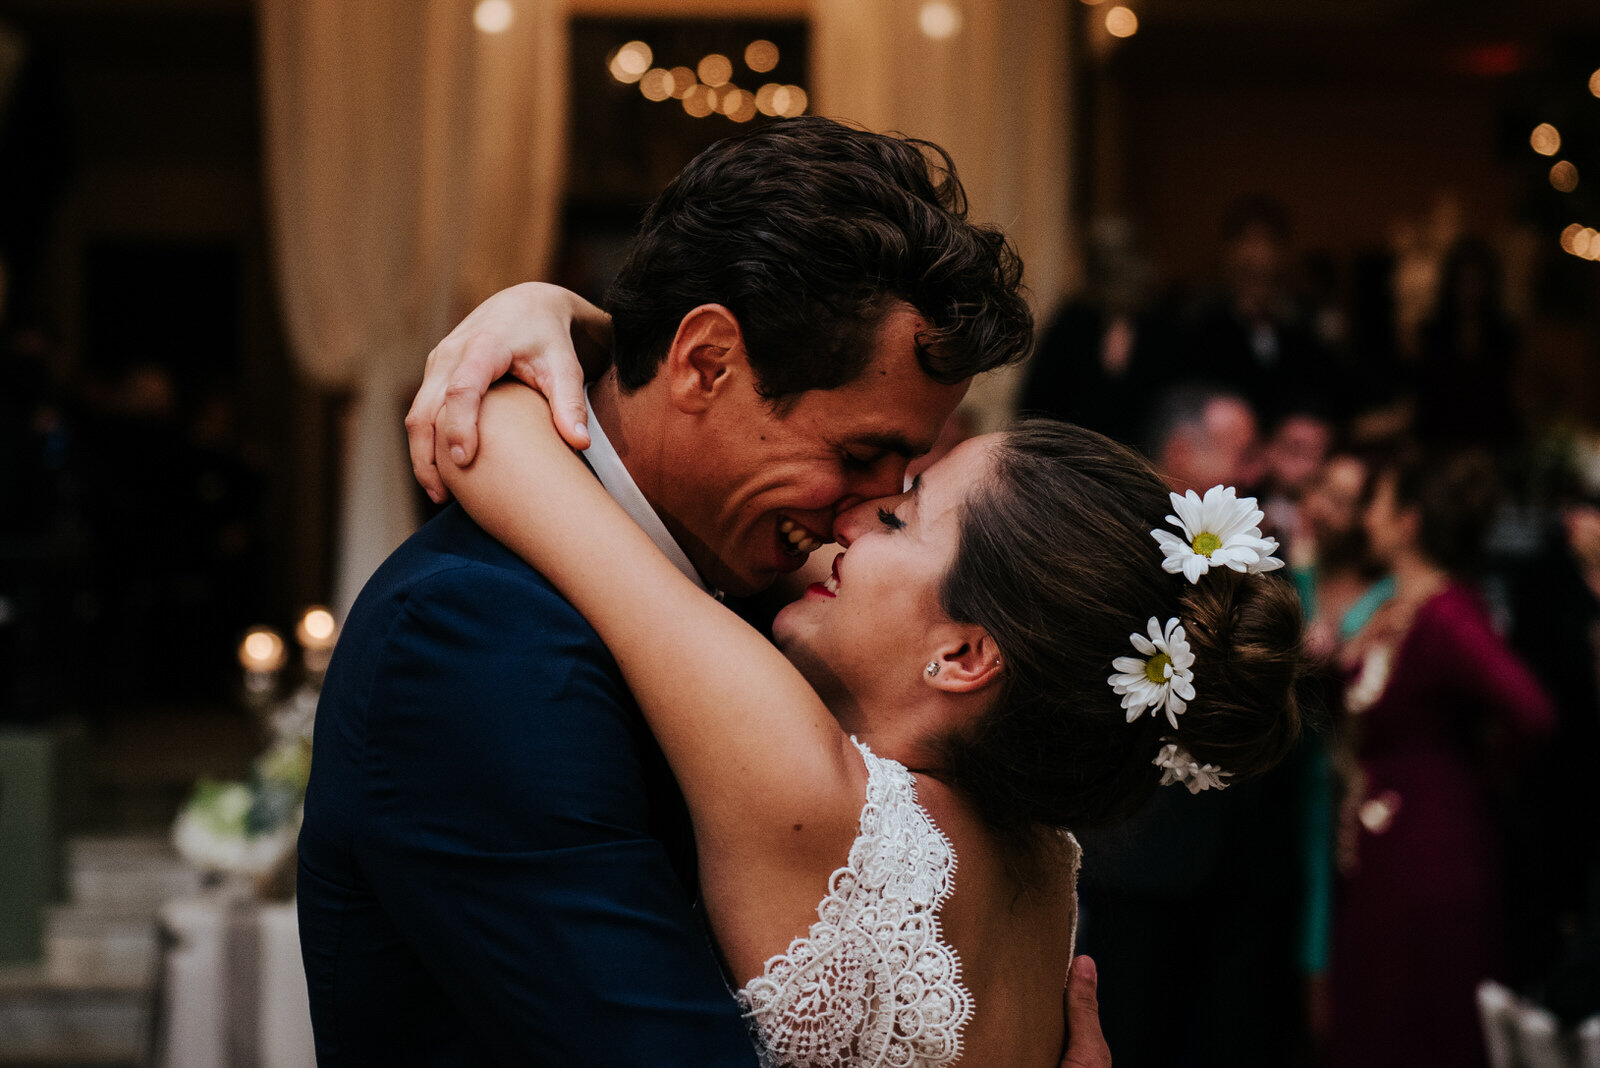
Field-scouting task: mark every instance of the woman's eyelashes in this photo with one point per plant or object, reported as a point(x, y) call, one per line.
point(889, 520)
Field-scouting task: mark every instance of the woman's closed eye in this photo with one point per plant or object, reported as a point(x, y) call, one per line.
point(889, 520)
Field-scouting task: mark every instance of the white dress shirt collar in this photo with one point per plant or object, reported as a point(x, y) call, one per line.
point(614, 476)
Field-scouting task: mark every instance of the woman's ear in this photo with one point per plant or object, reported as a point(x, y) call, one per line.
point(706, 352)
point(965, 663)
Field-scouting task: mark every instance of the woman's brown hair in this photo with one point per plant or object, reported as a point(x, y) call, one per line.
point(1057, 563)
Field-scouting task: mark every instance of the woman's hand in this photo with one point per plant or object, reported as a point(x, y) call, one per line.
point(533, 331)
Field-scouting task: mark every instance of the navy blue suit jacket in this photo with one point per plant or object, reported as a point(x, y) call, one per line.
point(495, 865)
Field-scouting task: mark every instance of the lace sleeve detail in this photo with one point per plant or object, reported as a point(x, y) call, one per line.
point(872, 983)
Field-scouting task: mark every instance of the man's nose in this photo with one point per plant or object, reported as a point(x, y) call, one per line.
point(849, 523)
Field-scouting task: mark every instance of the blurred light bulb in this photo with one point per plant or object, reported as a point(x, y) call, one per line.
point(1569, 237)
point(682, 80)
point(697, 101)
point(739, 105)
point(1594, 83)
point(761, 56)
point(316, 628)
point(1545, 139)
point(631, 61)
point(765, 96)
point(494, 16)
point(1121, 22)
point(715, 69)
point(940, 20)
point(1564, 176)
point(656, 84)
point(790, 101)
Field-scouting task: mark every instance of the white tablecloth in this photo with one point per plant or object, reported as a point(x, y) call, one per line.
point(234, 990)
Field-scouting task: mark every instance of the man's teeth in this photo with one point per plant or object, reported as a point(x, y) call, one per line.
point(830, 584)
point(801, 541)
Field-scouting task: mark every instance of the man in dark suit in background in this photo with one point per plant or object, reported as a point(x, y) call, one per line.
point(496, 864)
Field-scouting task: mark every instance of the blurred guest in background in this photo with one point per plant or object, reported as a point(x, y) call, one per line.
point(1291, 458)
point(1097, 362)
point(1442, 716)
point(1468, 354)
point(1252, 336)
point(1199, 436)
point(1555, 824)
point(1218, 873)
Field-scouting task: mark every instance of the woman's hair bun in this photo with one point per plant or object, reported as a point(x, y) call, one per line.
point(1244, 631)
point(1056, 562)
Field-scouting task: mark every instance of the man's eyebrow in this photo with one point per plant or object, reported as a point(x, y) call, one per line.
point(888, 441)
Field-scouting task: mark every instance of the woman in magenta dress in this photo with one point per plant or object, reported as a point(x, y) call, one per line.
point(1441, 716)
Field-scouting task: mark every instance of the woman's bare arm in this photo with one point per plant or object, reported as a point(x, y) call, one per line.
point(754, 749)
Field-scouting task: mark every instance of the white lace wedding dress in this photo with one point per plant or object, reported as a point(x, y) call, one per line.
point(872, 983)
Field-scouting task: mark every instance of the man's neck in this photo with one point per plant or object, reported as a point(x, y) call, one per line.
point(634, 436)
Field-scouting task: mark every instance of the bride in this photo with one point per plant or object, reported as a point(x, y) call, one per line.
point(1018, 646)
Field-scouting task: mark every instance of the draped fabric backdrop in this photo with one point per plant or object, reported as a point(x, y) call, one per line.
point(996, 94)
point(414, 166)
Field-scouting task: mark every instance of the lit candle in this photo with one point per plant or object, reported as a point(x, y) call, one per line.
point(316, 632)
point(262, 654)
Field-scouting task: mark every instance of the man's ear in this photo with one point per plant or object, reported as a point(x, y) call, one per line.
point(707, 355)
point(968, 660)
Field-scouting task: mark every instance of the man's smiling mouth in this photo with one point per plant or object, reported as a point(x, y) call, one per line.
point(797, 540)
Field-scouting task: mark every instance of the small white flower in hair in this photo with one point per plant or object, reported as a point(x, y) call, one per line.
point(1220, 529)
point(1178, 766)
point(1162, 677)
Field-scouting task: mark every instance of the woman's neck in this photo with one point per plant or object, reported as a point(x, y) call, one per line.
point(1416, 578)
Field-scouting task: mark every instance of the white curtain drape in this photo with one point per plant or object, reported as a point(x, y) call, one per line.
point(996, 94)
point(414, 166)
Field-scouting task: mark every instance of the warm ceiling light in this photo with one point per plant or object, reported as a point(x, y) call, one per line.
point(940, 20)
point(715, 69)
point(494, 16)
point(761, 56)
point(1545, 139)
point(1121, 22)
point(697, 101)
point(682, 80)
point(656, 84)
point(1564, 176)
point(631, 61)
point(739, 105)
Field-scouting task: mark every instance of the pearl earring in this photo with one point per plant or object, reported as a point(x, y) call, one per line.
point(932, 669)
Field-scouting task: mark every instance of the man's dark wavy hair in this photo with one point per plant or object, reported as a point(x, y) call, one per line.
point(809, 231)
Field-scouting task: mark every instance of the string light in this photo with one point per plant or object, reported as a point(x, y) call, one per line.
point(715, 69)
point(1594, 83)
point(1545, 139)
point(494, 16)
point(1564, 176)
point(629, 62)
point(1121, 22)
point(761, 56)
point(656, 84)
point(682, 79)
point(940, 20)
point(709, 89)
point(697, 101)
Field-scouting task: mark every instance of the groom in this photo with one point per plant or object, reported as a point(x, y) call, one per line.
point(496, 865)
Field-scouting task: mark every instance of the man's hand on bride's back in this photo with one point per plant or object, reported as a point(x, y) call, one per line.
point(533, 331)
point(1086, 1046)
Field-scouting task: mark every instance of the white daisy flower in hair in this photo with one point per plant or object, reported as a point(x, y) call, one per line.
point(1178, 766)
point(1219, 530)
point(1162, 677)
